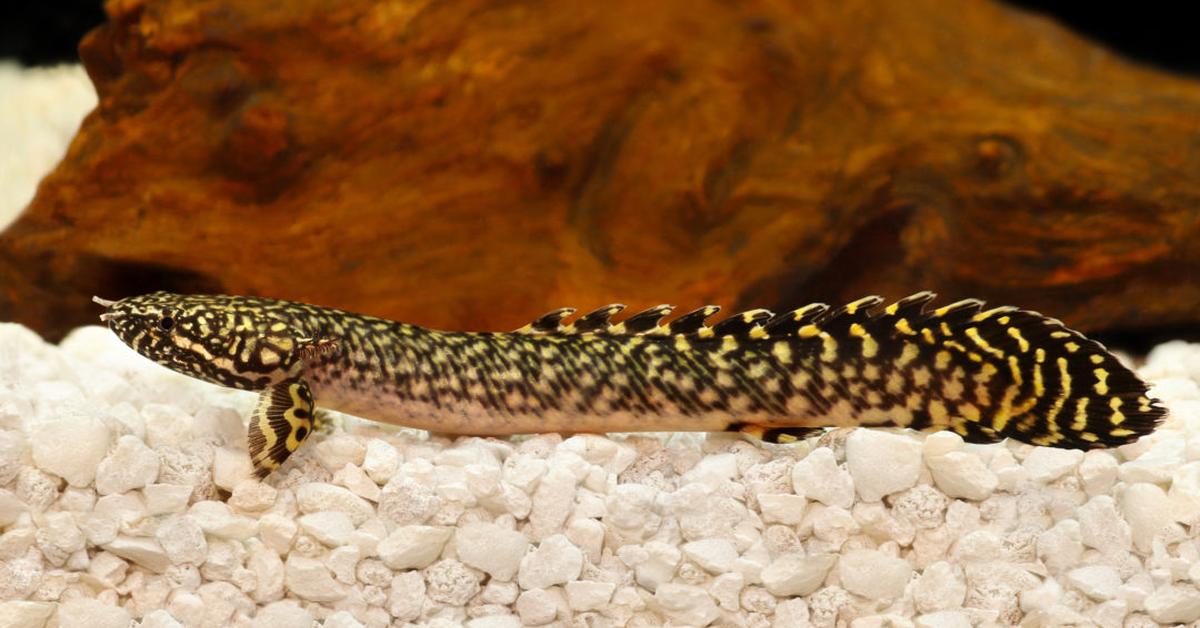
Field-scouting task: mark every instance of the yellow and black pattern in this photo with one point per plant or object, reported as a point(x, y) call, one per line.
point(986, 374)
point(281, 421)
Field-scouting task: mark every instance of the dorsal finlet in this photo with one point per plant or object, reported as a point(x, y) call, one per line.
point(597, 320)
point(742, 323)
point(789, 323)
point(547, 323)
point(643, 322)
point(910, 305)
point(692, 322)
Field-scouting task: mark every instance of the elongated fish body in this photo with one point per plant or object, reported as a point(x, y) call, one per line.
point(985, 374)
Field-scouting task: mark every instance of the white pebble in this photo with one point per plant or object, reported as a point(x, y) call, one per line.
point(407, 596)
point(1061, 546)
point(23, 614)
point(216, 519)
point(793, 574)
point(131, 465)
point(1099, 582)
point(282, 614)
point(252, 496)
point(1173, 604)
point(781, 508)
point(338, 451)
point(380, 461)
point(586, 595)
point(230, 467)
point(319, 496)
point(491, 548)
point(961, 474)
point(145, 552)
point(944, 619)
point(413, 547)
point(450, 582)
point(940, 587)
point(166, 499)
point(1101, 526)
point(309, 579)
point(495, 621)
point(166, 425)
point(551, 503)
point(1046, 464)
point(588, 535)
point(818, 477)
point(716, 556)
point(277, 532)
point(159, 618)
point(1147, 510)
point(686, 604)
point(70, 448)
point(340, 619)
point(882, 463)
point(873, 574)
point(656, 564)
point(1098, 471)
point(183, 540)
point(330, 527)
point(538, 607)
point(81, 612)
point(555, 561)
point(358, 482)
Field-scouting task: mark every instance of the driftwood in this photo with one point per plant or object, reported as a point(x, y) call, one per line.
point(470, 164)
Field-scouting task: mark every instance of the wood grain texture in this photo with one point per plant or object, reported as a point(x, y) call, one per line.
point(469, 164)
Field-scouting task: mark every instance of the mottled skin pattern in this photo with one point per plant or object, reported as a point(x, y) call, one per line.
point(986, 375)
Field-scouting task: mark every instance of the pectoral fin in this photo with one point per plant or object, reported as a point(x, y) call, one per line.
point(280, 422)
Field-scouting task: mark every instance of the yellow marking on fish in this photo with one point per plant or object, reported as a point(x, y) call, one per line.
point(1080, 422)
point(869, 346)
point(927, 334)
point(1014, 369)
point(1096, 358)
point(956, 345)
point(1040, 355)
point(907, 354)
point(938, 413)
point(1071, 347)
point(681, 344)
point(945, 329)
point(921, 376)
point(903, 327)
point(830, 352)
point(705, 332)
point(892, 309)
point(1060, 334)
point(1101, 382)
point(782, 352)
point(982, 316)
point(970, 412)
point(1022, 343)
point(757, 332)
point(1117, 417)
point(941, 360)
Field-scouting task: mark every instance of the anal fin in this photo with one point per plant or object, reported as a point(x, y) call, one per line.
point(281, 421)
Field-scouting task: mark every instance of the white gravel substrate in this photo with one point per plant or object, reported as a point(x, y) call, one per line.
point(125, 495)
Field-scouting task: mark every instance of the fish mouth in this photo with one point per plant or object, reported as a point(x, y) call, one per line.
point(107, 316)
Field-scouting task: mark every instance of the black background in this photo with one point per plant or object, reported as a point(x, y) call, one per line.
point(1162, 34)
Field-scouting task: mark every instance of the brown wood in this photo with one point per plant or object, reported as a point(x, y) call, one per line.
point(471, 164)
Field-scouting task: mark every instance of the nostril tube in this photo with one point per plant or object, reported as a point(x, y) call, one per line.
point(104, 302)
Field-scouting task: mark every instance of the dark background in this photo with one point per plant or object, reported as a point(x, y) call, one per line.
point(43, 33)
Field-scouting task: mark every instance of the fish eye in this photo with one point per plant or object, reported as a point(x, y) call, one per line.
point(167, 322)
